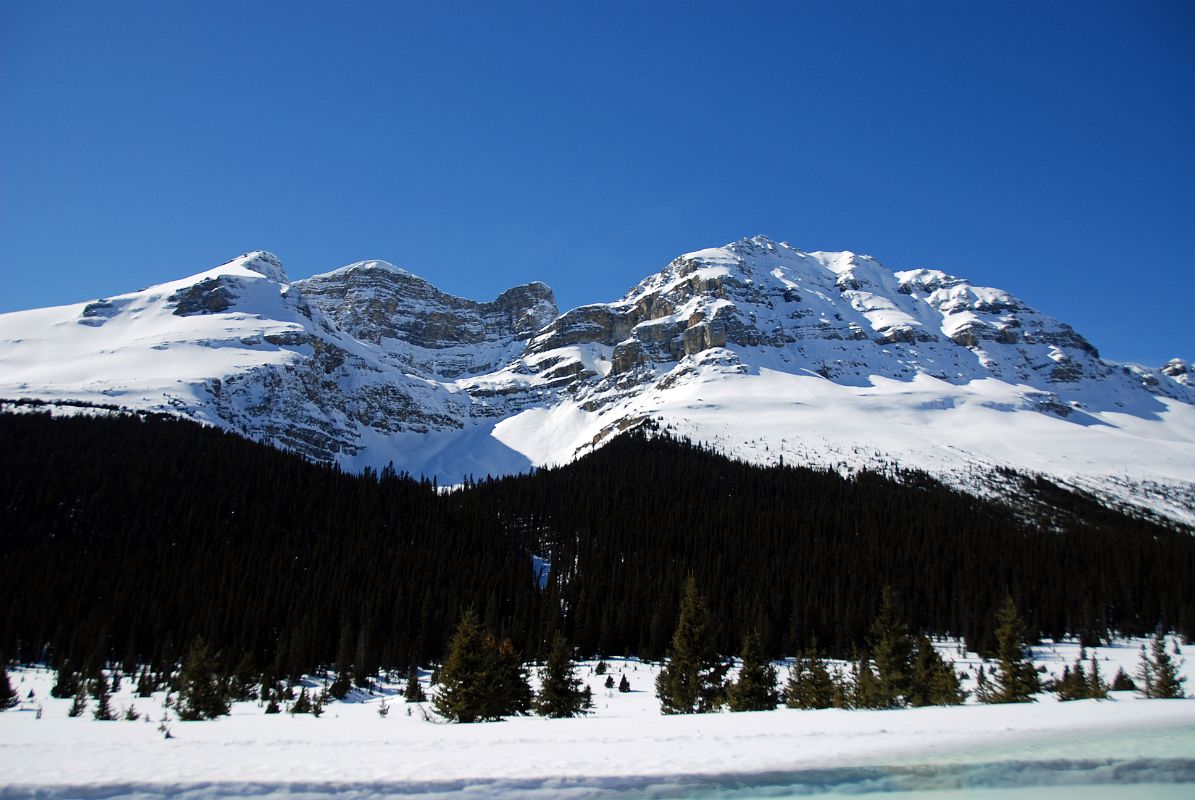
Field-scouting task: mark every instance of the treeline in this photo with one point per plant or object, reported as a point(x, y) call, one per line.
point(124, 539)
point(799, 554)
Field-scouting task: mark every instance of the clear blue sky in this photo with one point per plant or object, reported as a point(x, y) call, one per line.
point(1045, 148)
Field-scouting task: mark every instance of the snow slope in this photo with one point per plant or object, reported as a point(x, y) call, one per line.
point(765, 351)
point(625, 749)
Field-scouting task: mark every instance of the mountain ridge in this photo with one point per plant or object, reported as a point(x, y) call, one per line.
point(755, 347)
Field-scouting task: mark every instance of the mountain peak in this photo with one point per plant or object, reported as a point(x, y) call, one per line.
point(368, 265)
point(264, 263)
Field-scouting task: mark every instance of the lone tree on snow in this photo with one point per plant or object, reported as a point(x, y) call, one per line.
point(1158, 671)
point(692, 682)
point(1016, 679)
point(201, 692)
point(561, 694)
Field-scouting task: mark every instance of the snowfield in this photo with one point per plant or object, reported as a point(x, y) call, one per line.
point(1117, 748)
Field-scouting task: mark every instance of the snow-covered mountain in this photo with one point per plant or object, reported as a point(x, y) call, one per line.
point(760, 349)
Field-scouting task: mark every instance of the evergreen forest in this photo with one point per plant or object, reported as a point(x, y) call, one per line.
point(124, 539)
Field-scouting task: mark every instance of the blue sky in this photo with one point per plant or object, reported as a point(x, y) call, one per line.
point(1045, 148)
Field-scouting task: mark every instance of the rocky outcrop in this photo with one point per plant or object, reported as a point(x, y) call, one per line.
point(423, 329)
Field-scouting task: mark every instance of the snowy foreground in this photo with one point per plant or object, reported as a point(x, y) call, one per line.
point(1125, 747)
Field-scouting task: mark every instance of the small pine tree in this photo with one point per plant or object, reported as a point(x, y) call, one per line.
point(1123, 683)
point(481, 679)
point(302, 705)
point(1016, 679)
point(66, 684)
point(242, 685)
point(272, 706)
point(79, 704)
point(755, 689)
point(692, 682)
point(1073, 684)
point(984, 691)
point(145, 685)
point(201, 693)
point(624, 685)
point(8, 695)
point(609, 684)
point(843, 690)
point(462, 695)
point(1159, 672)
point(343, 683)
point(868, 692)
point(512, 687)
point(561, 693)
point(131, 714)
point(934, 681)
point(601, 668)
point(809, 684)
point(103, 699)
point(892, 652)
point(414, 690)
point(1096, 688)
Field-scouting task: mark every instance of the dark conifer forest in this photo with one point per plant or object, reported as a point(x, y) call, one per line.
point(124, 538)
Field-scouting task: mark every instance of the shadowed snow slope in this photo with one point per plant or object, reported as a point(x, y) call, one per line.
point(763, 350)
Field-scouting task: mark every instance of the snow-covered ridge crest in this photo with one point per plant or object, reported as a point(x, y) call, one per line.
point(767, 351)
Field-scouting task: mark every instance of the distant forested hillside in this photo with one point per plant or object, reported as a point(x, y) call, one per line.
point(125, 537)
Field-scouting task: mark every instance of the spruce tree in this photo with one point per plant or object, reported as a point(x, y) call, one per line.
point(1096, 688)
point(79, 704)
point(102, 697)
point(692, 681)
point(242, 685)
point(609, 684)
point(1073, 684)
point(934, 681)
point(868, 692)
point(462, 696)
point(413, 693)
point(1123, 683)
point(66, 683)
point(755, 688)
point(892, 650)
point(560, 693)
point(809, 684)
point(8, 695)
point(201, 692)
point(343, 683)
point(1158, 672)
point(1016, 679)
point(984, 691)
point(481, 679)
point(302, 705)
point(624, 685)
point(145, 685)
point(512, 687)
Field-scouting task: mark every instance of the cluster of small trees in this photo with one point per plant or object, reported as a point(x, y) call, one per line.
point(484, 679)
point(897, 670)
point(1079, 683)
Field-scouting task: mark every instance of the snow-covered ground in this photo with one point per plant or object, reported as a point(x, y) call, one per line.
point(1123, 747)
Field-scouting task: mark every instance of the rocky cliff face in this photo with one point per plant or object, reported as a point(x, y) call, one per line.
point(423, 329)
point(765, 350)
point(838, 315)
